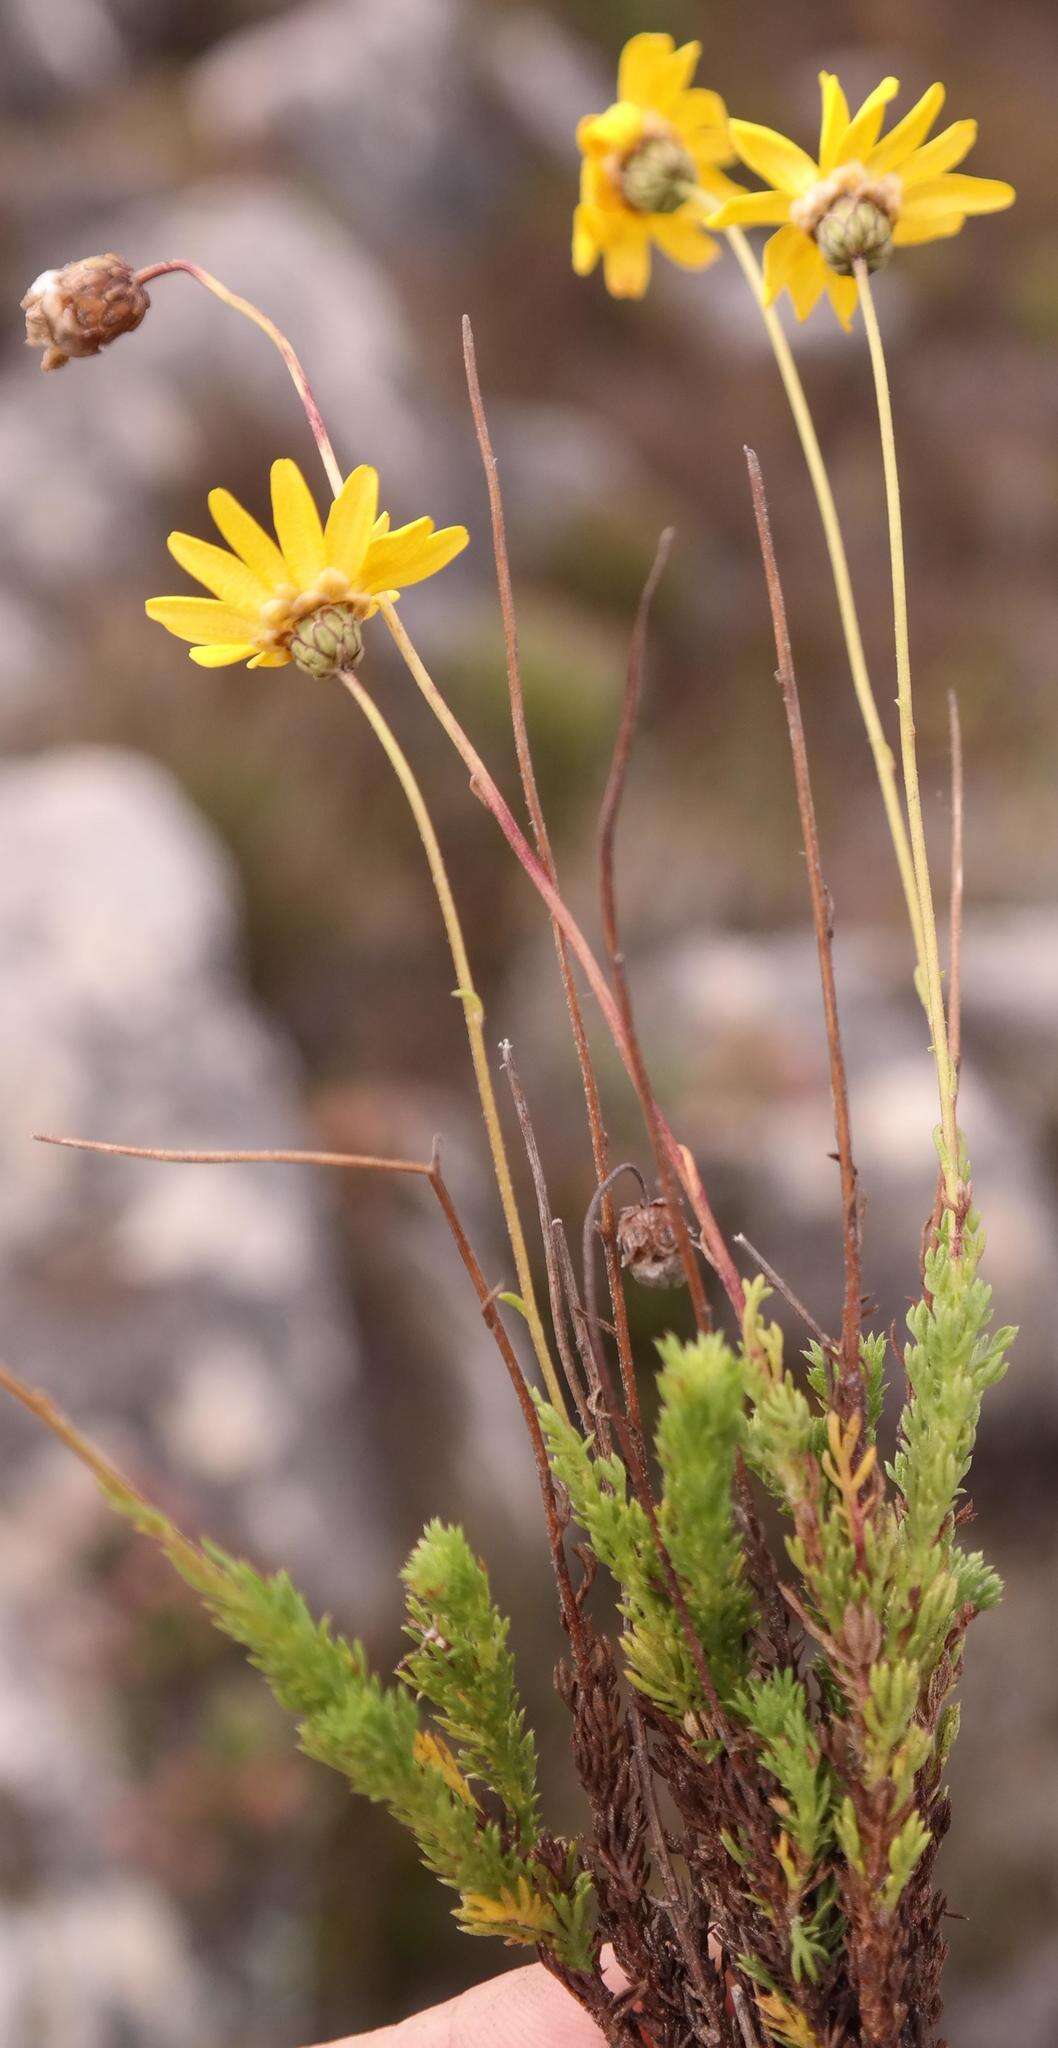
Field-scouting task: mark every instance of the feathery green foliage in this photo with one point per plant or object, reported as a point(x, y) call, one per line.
point(701, 1425)
point(373, 1734)
point(461, 1664)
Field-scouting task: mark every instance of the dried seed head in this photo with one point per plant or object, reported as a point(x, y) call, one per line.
point(80, 309)
point(649, 1247)
point(855, 228)
point(656, 177)
point(327, 640)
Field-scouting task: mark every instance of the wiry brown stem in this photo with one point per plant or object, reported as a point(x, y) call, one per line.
point(850, 1391)
point(429, 1170)
point(707, 1990)
point(825, 1343)
point(587, 1343)
point(571, 1616)
point(599, 1140)
point(611, 806)
point(484, 786)
point(166, 1156)
point(554, 1283)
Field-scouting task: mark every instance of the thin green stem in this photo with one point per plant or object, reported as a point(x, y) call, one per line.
point(474, 1014)
point(933, 983)
point(885, 765)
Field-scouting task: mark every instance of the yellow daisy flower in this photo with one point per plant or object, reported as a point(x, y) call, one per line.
point(660, 143)
point(866, 194)
point(274, 603)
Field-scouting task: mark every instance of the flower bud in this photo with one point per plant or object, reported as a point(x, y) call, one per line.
point(855, 228)
point(649, 1247)
point(657, 175)
point(327, 640)
point(80, 309)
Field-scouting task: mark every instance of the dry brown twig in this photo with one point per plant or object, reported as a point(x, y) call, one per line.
point(850, 1391)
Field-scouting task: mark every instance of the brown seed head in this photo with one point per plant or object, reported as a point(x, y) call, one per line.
point(647, 1242)
point(78, 310)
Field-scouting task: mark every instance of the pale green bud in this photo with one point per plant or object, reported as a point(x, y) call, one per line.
point(327, 640)
point(657, 176)
point(855, 229)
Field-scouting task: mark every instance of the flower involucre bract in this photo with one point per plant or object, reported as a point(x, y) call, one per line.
point(660, 143)
point(264, 592)
point(866, 192)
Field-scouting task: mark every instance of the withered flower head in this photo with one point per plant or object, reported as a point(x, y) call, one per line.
point(649, 1247)
point(79, 309)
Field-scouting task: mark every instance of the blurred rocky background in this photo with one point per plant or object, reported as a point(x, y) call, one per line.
point(215, 926)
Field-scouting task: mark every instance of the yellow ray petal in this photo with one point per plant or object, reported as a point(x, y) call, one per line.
point(278, 659)
point(908, 133)
point(835, 120)
point(251, 543)
point(774, 157)
point(865, 127)
point(843, 293)
point(782, 253)
point(701, 112)
point(716, 183)
point(907, 232)
point(642, 64)
point(223, 574)
point(683, 240)
point(752, 210)
point(956, 193)
point(351, 520)
point(942, 154)
point(808, 279)
point(223, 655)
point(586, 245)
point(197, 618)
point(297, 522)
point(409, 554)
point(626, 266)
point(679, 72)
point(653, 72)
point(613, 133)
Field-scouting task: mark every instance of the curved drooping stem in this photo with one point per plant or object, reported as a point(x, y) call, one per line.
point(885, 766)
point(474, 1014)
point(931, 950)
point(177, 265)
